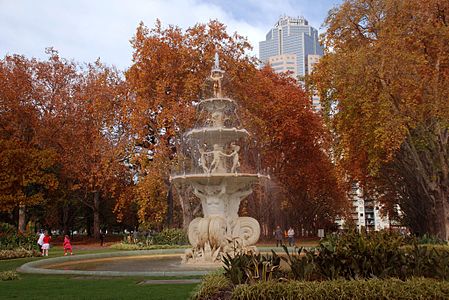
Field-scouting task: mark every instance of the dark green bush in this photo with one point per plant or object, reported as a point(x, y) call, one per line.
point(350, 256)
point(360, 255)
point(170, 236)
point(243, 268)
point(300, 263)
point(416, 288)
point(375, 255)
point(11, 239)
point(425, 261)
point(378, 255)
point(430, 239)
point(235, 267)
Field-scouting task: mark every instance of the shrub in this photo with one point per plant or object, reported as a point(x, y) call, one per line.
point(170, 236)
point(375, 255)
point(10, 238)
point(416, 288)
point(300, 263)
point(243, 268)
point(354, 255)
point(430, 239)
point(213, 286)
point(18, 253)
point(8, 275)
point(235, 266)
point(426, 261)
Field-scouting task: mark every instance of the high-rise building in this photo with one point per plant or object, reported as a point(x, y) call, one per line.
point(365, 213)
point(292, 45)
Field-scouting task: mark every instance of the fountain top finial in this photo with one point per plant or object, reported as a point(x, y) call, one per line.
point(216, 75)
point(217, 62)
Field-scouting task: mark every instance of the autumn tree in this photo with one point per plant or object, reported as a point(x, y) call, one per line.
point(168, 75)
point(27, 169)
point(61, 123)
point(293, 144)
point(383, 82)
point(95, 148)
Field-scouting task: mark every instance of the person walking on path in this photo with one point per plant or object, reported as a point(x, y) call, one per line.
point(291, 236)
point(278, 236)
point(102, 235)
point(46, 244)
point(40, 241)
point(67, 245)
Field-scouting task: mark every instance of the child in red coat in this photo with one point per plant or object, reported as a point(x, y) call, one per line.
point(67, 245)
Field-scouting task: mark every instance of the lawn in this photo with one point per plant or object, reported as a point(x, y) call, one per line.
point(32, 286)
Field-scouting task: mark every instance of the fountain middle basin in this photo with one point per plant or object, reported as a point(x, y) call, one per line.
point(165, 262)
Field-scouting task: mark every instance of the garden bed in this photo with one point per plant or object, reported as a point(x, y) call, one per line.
point(217, 286)
point(380, 265)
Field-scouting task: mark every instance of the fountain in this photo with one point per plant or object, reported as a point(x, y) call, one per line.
point(216, 179)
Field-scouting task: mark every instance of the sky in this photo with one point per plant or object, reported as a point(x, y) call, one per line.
point(85, 30)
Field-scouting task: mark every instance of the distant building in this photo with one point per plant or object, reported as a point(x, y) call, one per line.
point(291, 36)
point(283, 63)
point(312, 59)
point(292, 46)
point(365, 213)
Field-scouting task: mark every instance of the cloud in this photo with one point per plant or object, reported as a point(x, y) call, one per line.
point(84, 30)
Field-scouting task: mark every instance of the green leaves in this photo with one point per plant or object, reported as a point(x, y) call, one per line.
point(250, 268)
point(300, 262)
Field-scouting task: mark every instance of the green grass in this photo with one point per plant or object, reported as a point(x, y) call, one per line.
point(32, 286)
point(69, 287)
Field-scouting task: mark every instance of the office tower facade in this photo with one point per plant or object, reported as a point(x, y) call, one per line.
point(291, 45)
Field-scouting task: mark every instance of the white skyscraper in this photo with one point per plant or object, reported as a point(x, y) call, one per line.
point(292, 46)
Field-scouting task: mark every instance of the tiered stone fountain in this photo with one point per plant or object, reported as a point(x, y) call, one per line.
point(218, 182)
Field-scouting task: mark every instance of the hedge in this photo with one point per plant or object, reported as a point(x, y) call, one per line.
point(415, 288)
point(217, 286)
point(213, 286)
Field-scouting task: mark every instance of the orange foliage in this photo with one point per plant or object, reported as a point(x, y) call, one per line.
point(384, 83)
point(169, 72)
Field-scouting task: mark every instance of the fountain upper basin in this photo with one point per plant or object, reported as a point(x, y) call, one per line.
point(217, 178)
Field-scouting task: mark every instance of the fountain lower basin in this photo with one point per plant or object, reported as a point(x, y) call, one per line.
point(124, 263)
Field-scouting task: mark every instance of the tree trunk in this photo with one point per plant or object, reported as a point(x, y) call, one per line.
point(96, 212)
point(445, 220)
point(187, 214)
point(65, 219)
point(22, 219)
point(169, 216)
point(423, 181)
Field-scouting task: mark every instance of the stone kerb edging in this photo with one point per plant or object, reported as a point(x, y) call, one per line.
point(35, 267)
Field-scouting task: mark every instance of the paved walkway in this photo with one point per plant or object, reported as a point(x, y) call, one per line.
point(170, 281)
